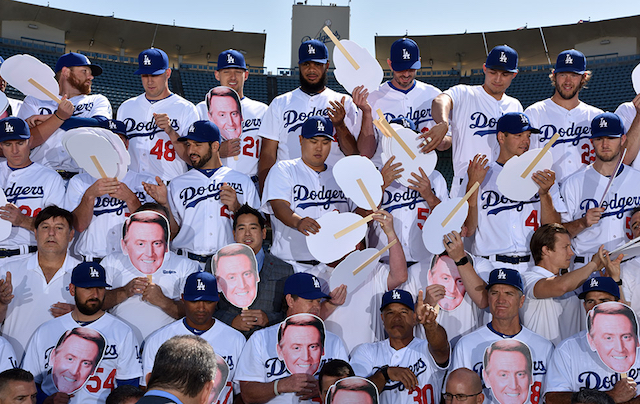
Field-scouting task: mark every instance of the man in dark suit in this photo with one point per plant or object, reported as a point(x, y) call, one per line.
point(267, 309)
point(183, 372)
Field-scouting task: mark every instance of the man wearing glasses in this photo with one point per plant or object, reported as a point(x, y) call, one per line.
point(461, 387)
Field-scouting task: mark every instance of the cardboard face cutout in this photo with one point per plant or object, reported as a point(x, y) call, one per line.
point(236, 270)
point(433, 231)
point(445, 272)
point(613, 334)
point(75, 358)
point(219, 380)
point(352, 170)
point(225, 110)
point(325, 247)
point(510, 181)
point(508, 371)
point(301, 343)
point(146, 240)
point(351, 390)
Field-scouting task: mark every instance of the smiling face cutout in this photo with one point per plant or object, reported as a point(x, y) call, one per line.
point(75, 358)
point(508, 371)
point(236, 270)
point(301, 343)
point(146, 240)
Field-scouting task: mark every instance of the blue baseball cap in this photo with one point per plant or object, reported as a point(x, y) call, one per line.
point(13, 128)
point(89, 275)
point(313, 51)
point(600, 284)
point(201, 286)
point(397, 296)
point(571, 61)
point(202, 131)
point(515, 122)
point(607, 124)
point(405, 55)
point(231, 58)
point(503, 57)
point(505, 276)
point(317, 126)
point(152, 61)
point(304, 285)
point(404, 122)
point(115, 126)
point(72, 59)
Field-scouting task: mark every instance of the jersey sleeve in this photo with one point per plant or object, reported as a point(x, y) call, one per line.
point(189, 116)
point(74, 194)
point(627, 114)
point(102, 107)
point(28, 108)
point(278, 185)
point(559, 373)
point(149, 350)
point(8, 358)
point(56, 191)
point(250, 366)
point(352, 118)
point(251, 196)
point(362, 360)
point(129, 365)
point(271, 122)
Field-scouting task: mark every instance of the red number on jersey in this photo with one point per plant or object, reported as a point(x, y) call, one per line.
point(628, 227)
point(589, 154)
point(225, 212)
point(248, 146)
point(162, 149)
point(423, 213)
point(535, 392)
point(108, 383)
point(423, 395)
point(26, 210)
point(532, 220)
point(226, 398)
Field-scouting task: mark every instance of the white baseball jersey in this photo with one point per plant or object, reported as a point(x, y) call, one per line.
point(630, 275)
point(120, 360)
point(143, 317)
point(575, 366)
point(8, 359)
point(554, 318)
point(250, 143)
point(357, 321)
point(473, 123)
point(259, 361)
point(413, 104)
point(409, 210)
point(583, 190)
point(205, 223)
point(33, 297)
point(104, 233)
point(627, 113)
point(31, 189)
point(226, 342)
point(506, 226)
point(366, 359)
point(309, 193)
point(469, 353)
point(283, 120)
point(151, 149)
point(15, 106)
point(52, 153)
point(461, 320)
point(573, 149)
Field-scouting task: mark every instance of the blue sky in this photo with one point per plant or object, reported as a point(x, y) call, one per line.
point(368, 17)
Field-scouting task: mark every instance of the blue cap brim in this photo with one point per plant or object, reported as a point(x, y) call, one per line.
point(198, 298)
point(501, 67)
point(399, 67)
point(568, 69)
point(151, 72)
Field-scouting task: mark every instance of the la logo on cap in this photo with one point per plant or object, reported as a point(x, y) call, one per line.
point(405, 54)
point(395, 295)
point(594, 283)
point(230, 58)
point(312, 50)
point(316, 284)
point(603, 123)
point(146, 61)
point(568, 60)
point(501, 274)
point(523, 118)
point(320, 127)
point(192, 128)
point(112, 125)
point(503, 57)
point(8, 128)
point(93, 273)
point(200, 285)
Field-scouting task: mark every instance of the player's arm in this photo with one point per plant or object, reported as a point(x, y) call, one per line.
point(545, 179)
point(303, 385)
point(592, 217)
point(164, 122)
point(345, 139)
point(366, 140)
point(12, 213)
point(268, 155)
point(159, 193)
point(40, 133)
point(422, 184)
point(83, 213)
point(337, 298)
point(153, 294)
point(286, 215)
point(557, 286)
point(473, 284)
point(113, 297)
point(397, 261)
point(632, 143)
point(441, 107)
point(477, 171)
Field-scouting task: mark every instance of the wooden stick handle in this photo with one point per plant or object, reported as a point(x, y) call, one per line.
point(623, 375)
point(544, 150)
point(459, 205)
point(393, 133)
point(98, 166)
point(381, 128)
point(44, 90)
point(354, 226)
point(374, 257)
point(367, 195)
point(150, 278)
point(338, 45)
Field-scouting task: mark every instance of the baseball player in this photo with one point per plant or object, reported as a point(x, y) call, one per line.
point(203, 199)
point(503, 227)
point(8, 359)
point(589, 222)
point(14, 105)
point(200, 298)
point(565, 114)
point(628, 112)
point(505, 297)
point(101, 206)
point(301, 190)
point(287, 112)
point(402, 96)
point(264, 377)
point(61, 349)
point(405, 369)
point(44, 275)
point(471, 113)
point(156, 119)
point(232, 72)
point(28, 186)
point(75, 74)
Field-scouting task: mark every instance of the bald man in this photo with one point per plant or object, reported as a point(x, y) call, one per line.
point(463, 384)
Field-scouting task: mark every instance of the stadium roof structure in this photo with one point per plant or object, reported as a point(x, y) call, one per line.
point(93, 33)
